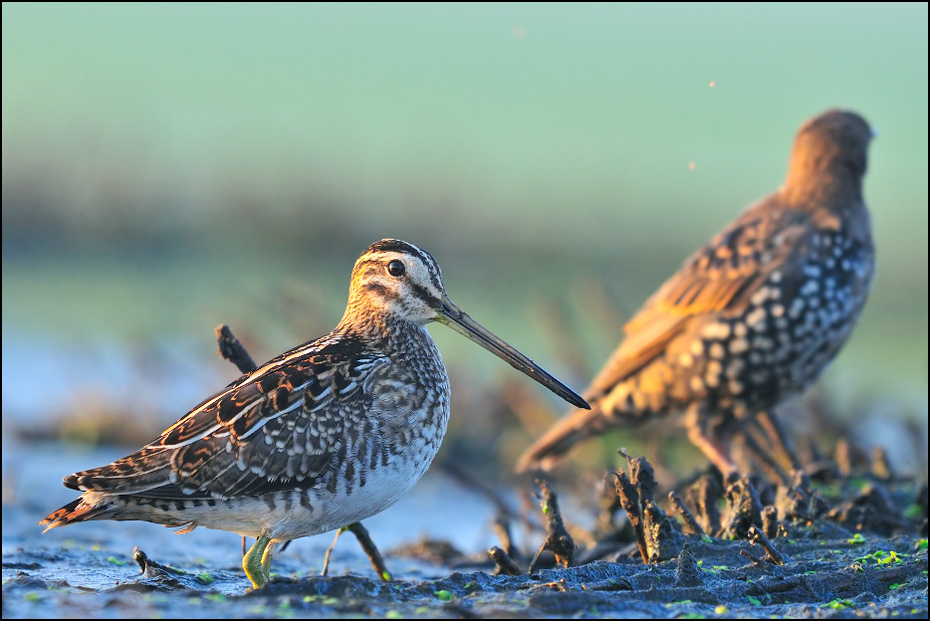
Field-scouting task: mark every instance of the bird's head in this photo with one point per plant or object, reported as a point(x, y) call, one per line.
point(393, 278)
point(395, 283)
point(833, 145)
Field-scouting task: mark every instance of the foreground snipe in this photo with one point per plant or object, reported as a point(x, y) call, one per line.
point(323, 436)
point(751, 318)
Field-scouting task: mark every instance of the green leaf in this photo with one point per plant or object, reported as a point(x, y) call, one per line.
point(444, 595)
point(754, 600)
point(914, 512)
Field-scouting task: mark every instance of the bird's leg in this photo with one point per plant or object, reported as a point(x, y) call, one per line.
point(768, 422)
point(255, 562)
point(369, 547)
point(329, 550)
point(267, 555)
point(371, 550)
point(762, 457)
point(696, 425)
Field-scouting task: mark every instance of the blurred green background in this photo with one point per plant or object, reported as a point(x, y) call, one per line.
point(169, 167)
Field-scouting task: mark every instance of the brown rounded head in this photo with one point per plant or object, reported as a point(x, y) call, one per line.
point(829, 156)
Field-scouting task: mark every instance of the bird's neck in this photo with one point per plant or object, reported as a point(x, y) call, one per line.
point(818, 178)
point(383, 332)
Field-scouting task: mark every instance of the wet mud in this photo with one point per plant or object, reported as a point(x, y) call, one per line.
point(854, 548)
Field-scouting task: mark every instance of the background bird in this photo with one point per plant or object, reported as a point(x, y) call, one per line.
point(751, 318)
point(320, 437)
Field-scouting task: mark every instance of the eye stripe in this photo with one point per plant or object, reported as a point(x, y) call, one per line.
point(430, 299)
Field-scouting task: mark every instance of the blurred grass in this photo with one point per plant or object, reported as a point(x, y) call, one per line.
point(170, 167)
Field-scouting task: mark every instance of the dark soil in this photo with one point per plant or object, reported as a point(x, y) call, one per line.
point(848, 547)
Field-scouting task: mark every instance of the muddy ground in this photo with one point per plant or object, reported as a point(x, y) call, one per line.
point(850, 547)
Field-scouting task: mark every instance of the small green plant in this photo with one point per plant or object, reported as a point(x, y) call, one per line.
point(914, 512)
point(881, 557)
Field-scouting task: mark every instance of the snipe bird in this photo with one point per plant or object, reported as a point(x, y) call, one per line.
point(320, 437)
point(751, 318)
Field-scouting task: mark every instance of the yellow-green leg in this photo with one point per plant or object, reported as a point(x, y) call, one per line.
point(256, 562)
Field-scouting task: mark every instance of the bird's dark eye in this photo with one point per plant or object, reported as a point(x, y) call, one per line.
point(396, 268)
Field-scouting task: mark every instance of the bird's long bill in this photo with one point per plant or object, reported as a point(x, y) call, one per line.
point(452, 316)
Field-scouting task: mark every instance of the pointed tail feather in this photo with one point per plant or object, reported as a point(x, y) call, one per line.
point(75, 511)
point(145, 469)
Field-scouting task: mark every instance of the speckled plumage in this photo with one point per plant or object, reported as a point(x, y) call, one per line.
point(320, 437)
point(751, 318)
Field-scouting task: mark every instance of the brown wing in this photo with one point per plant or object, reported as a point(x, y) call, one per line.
point(277, 425)
point(718, 278)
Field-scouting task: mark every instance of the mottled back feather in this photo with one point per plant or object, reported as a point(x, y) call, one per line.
point(220, 448)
